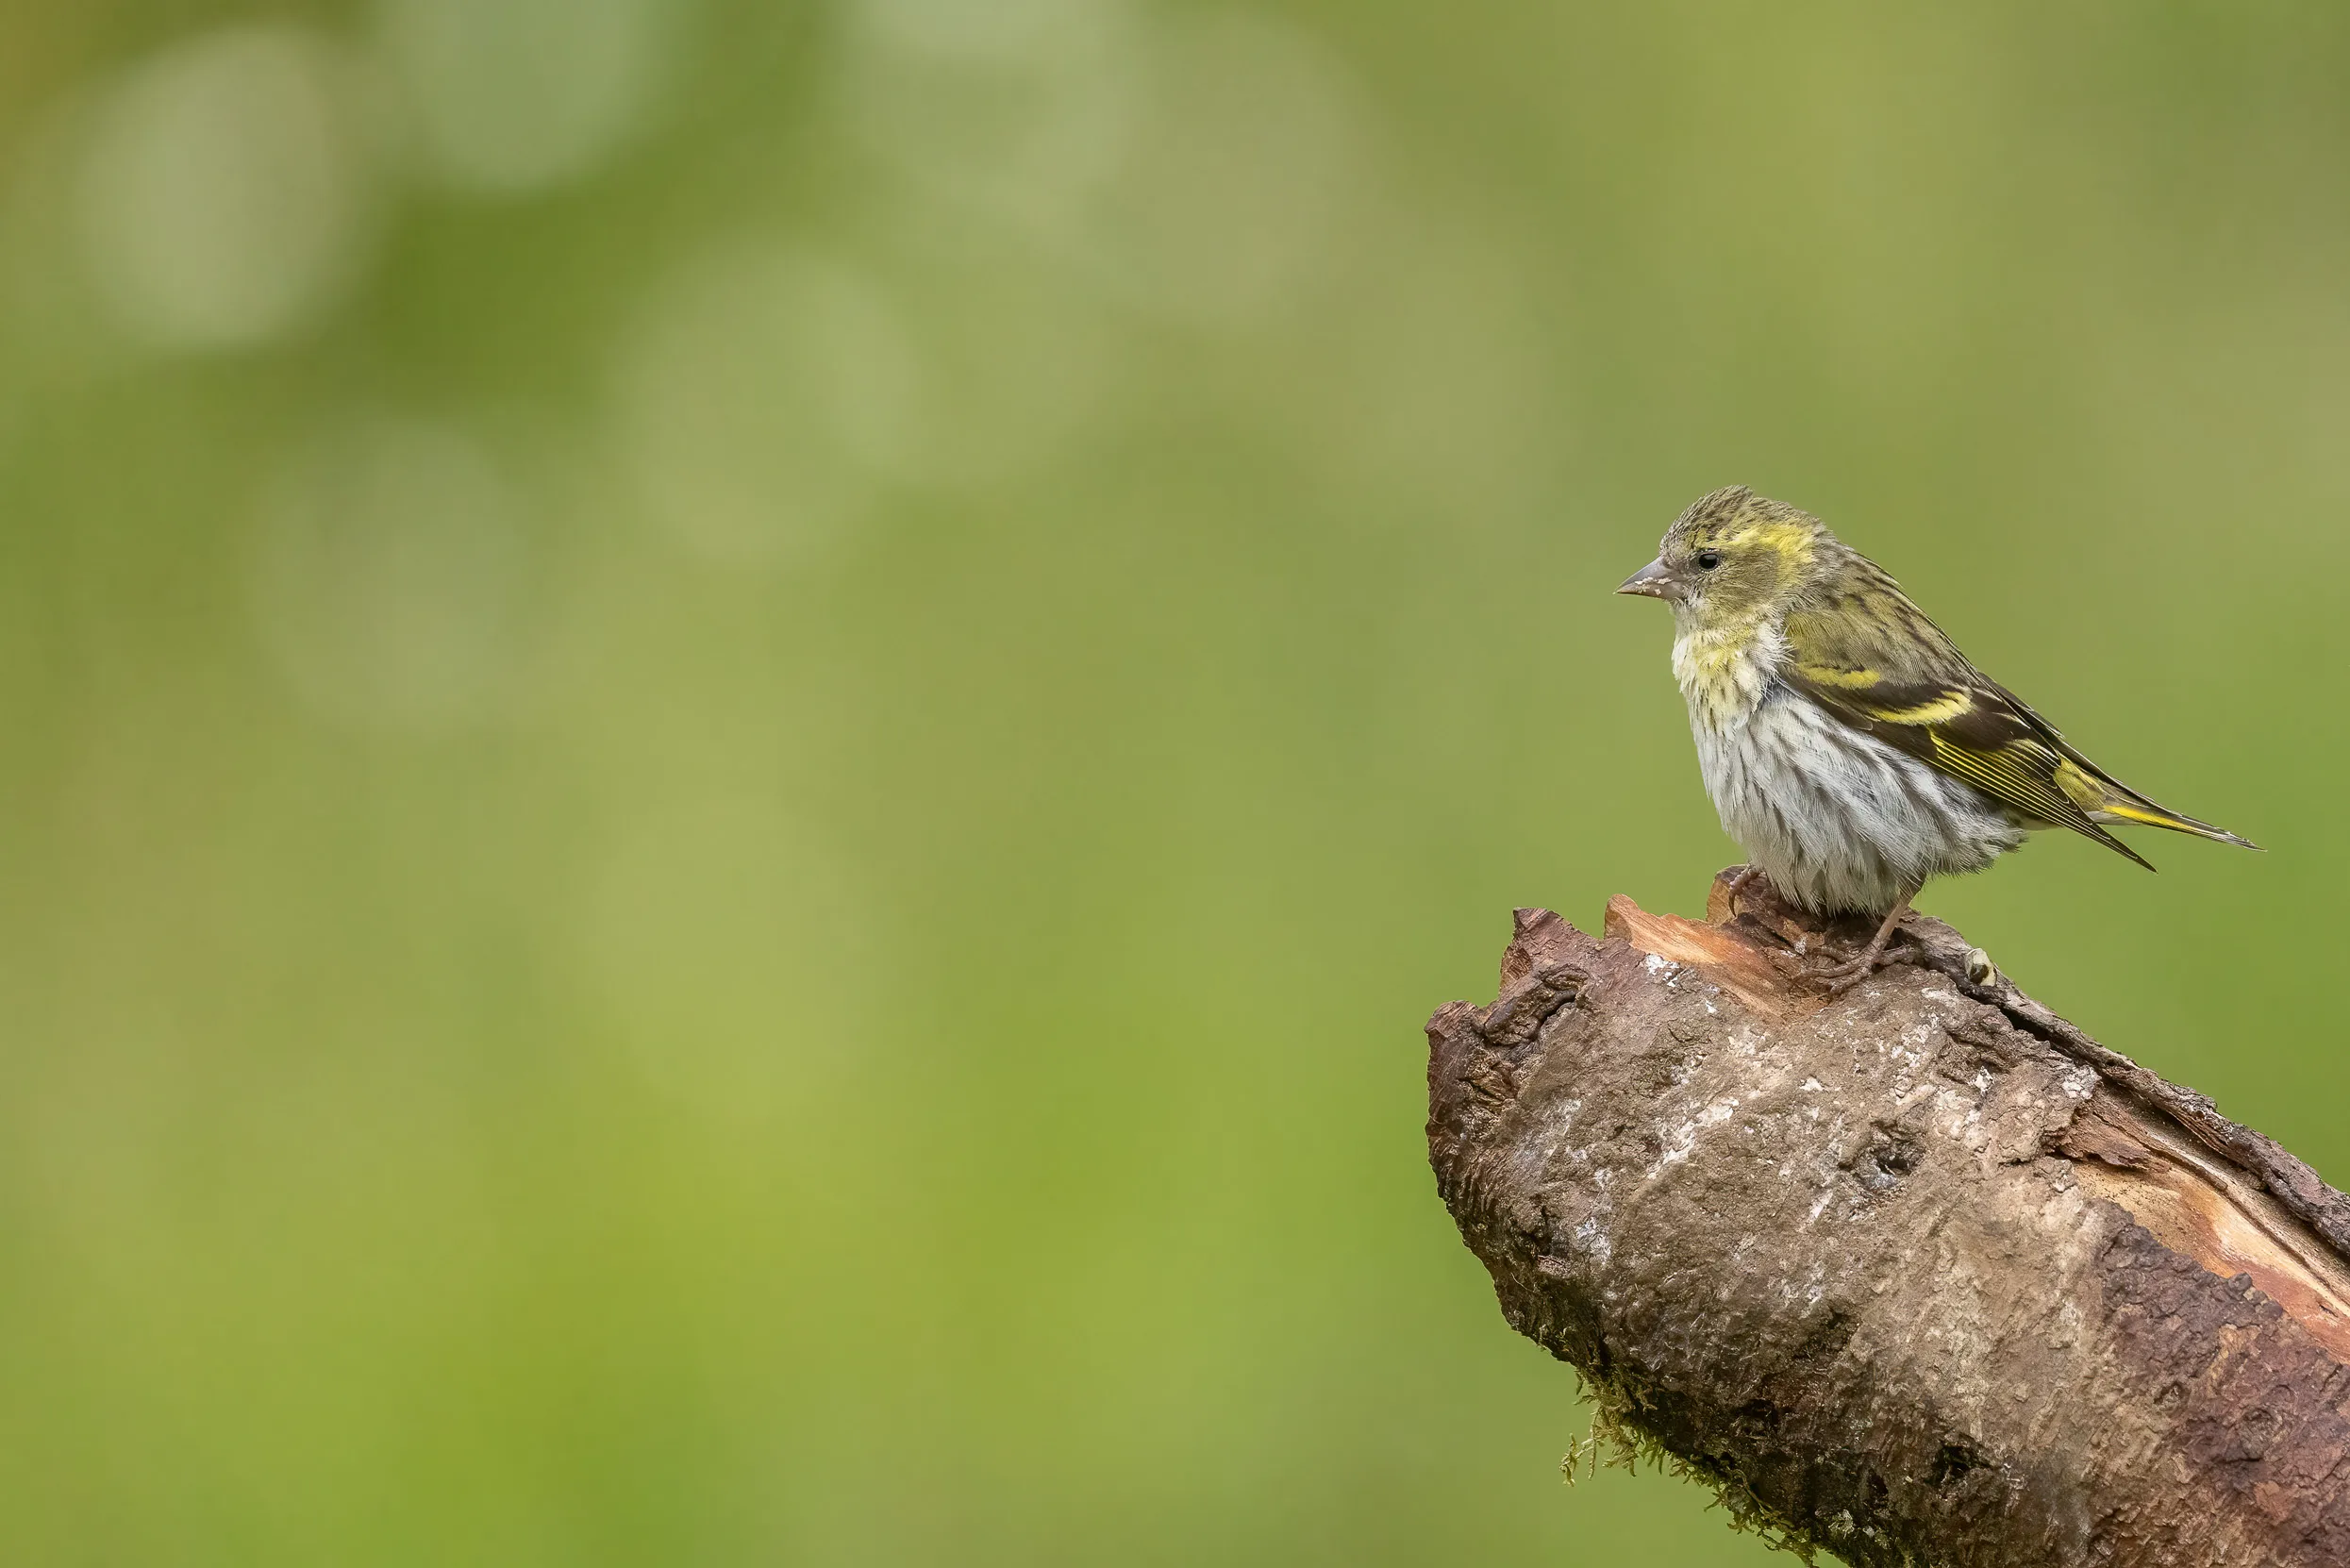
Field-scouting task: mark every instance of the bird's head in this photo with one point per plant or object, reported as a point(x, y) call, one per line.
point(1733, 558)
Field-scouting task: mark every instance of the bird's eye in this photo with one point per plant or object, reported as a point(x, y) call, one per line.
point(1708, 560)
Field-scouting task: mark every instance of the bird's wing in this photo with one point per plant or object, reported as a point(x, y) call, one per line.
point(1917, 693)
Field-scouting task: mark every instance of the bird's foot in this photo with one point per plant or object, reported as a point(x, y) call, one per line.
point(1844, 977)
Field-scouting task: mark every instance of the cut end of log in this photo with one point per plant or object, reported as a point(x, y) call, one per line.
point(1723, 954)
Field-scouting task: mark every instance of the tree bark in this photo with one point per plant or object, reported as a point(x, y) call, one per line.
point(1916, 1275)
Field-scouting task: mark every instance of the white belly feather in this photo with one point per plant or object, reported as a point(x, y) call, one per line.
point(1837, 819)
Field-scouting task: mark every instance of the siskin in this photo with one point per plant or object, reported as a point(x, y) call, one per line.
point(1851, 748)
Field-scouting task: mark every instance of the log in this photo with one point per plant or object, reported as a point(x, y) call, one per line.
point(1918, 1274)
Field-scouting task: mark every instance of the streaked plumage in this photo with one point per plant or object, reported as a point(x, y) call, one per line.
point(1850, 747)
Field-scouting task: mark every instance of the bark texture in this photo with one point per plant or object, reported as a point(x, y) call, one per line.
point(1920, 1274)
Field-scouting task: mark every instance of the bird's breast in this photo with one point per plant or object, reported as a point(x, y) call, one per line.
point(1724, 673)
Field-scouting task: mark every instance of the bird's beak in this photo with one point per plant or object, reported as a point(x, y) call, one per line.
point(1651, 581)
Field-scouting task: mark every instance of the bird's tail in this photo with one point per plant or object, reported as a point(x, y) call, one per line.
point(2108, 800)
point(2146, 814)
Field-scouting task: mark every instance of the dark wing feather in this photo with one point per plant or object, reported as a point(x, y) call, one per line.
point(1871, 657)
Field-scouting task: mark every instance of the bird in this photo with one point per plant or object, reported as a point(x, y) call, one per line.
point(1850, 748)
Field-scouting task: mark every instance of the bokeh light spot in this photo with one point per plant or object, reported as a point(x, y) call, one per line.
point(225, 189)
point(513, 95)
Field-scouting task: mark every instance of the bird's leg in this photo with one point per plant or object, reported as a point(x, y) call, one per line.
point(1738, 878)
point(1851, 973)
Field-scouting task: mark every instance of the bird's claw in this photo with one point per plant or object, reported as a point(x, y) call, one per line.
point(1734, 887)
point(1844, 976)
point(1841, 978)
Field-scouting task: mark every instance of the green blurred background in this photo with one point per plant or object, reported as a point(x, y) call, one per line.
point(742, 739)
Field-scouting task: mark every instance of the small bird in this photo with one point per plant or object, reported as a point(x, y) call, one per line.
point(1850, 747)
